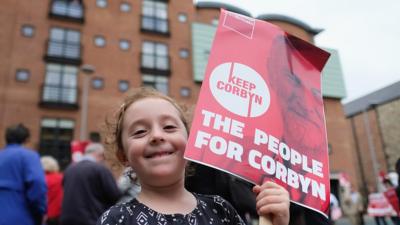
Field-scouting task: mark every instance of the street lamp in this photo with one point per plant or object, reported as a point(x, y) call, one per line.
point(87, 70)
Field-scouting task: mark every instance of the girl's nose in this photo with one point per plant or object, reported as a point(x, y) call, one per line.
point(157, 135)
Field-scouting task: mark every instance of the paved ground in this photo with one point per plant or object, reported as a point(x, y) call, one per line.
point(368, 221)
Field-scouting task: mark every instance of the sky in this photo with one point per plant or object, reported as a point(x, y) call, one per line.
point(365, 32)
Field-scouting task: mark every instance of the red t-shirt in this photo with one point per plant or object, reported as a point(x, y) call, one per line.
point(54, 194)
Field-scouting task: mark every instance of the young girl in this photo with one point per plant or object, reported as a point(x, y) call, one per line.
point(150, 135)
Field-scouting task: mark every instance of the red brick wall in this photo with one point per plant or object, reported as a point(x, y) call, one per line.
point(361, 122)
point(342, 157)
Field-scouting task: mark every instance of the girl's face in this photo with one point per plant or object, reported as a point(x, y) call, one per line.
point(154, 139)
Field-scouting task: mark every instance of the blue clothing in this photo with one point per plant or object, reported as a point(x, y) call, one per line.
point(22, 186)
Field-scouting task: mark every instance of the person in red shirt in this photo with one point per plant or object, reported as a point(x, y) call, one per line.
point(55, 190)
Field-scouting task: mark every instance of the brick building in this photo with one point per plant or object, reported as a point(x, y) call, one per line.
point(376, 130)
point(122, 44)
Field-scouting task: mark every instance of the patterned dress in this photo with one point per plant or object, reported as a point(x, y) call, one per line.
point(210, 209)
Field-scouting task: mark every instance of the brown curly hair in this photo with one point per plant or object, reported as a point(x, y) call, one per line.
point(113, 125)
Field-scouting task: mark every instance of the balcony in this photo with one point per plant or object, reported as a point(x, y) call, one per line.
point(63, 52)
point(154, 64)
point(59, 97)
point(70, 10)
point(151, 24)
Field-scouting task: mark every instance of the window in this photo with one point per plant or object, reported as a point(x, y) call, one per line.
point(182, 17)
point(101, 3)
point(155, 56)
point(22, 75)
point(183, 53)
point(124, 44)
point(64, 43)
point(97, 83)
point(125, 7)
point(27, 30)
point(158, 82)
point(55, 138)
point(99, 41)
point(155, 16)
point(67, 8)
point(123, 85)
point(60, 84)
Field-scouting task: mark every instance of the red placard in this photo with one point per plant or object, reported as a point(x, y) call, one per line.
point(380, 205)
point(260, 113)
point(78, 149)
point(392, 198)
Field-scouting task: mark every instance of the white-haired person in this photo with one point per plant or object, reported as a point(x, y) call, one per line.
point(55, 190)
point(89, 188)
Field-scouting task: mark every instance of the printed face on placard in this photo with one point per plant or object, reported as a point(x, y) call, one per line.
point(300, 99)
point(239, 89)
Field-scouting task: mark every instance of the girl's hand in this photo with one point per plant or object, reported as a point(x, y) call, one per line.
point(272, 202)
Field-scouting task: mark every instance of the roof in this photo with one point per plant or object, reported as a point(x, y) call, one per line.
point(218, 5)
point(278, 17)
point(332, 76)
point(378, 97)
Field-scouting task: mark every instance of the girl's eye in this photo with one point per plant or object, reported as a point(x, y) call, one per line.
point(169, 127)
point(139, 132)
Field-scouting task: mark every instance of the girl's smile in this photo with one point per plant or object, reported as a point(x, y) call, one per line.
point(158, 154)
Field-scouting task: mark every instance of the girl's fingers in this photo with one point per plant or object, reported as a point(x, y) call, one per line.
point(262, 193)
point(266, 185)
point(278, 210)
point(273, 192)
point(270, 200)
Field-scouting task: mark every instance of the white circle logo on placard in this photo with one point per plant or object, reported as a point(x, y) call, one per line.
point(240, 89)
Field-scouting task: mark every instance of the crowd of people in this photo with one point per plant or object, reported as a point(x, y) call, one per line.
point(156, 187)
point(354, 205)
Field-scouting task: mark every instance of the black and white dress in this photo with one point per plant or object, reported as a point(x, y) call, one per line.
point(210, 209)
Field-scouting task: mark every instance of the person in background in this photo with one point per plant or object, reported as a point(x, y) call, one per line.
point(397, 188)
point(397, 167)
point(89, 188)
point(389, 187)
point(379, 220)
point(22, 181)
point(55, 189)
point(335, 211)
point(358, 200)
point(353, 206)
